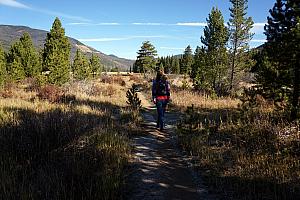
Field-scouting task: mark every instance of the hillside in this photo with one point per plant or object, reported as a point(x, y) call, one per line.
point(9, 34)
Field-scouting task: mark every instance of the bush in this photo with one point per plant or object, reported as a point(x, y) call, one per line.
point(113, 80)
point(51, 93)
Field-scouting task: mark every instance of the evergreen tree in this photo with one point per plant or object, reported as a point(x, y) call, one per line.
point(24, 52)
point(278, 65)
point(187, 61)
point(2, 66)
point(96, 67)
point(198, 69)
point(135, 66)
point(240, 36)
point(16, 70)
point(175, 65)
point(29, 57)
point(56, 56)
point(215, 39)
point(81, 67)
point(168, 65)
point(146, 59)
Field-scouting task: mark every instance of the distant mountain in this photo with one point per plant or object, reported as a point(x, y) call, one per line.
point(9, 34)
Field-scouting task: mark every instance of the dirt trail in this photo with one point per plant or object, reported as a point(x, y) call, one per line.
point(160, 171)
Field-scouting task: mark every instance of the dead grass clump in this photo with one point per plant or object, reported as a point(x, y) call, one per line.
point(136, 79)
point(113, 80)
point(6, 93)
point(31, 84)
point(51, 93)
point(105, 90)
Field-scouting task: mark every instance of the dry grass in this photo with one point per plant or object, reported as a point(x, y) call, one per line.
point(71, 149)
point(251, 154)
point(184, 98)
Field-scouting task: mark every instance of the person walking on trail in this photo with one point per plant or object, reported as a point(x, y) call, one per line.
point(161, 97)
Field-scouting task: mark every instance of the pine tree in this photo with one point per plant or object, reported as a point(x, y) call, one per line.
point(16, 70)
point(2, 66)
point(81, 67)
point(135, 66)
point(278, 65)
point(146, 59)
point(175, 65)
point(23, 51)
point(29, 57)
point(198, 69)
point(95, 63)
point(187, 61)
point(215, 39)
point(240, 36)
point(56, 56)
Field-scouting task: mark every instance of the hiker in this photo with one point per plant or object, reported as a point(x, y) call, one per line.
point(161, 97)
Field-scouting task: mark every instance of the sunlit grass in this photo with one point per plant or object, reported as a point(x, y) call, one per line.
point(251, 154)
point(73, 149)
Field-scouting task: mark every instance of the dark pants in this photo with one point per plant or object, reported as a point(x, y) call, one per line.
point(161, 109)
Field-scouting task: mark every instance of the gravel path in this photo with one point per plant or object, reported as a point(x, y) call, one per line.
point(159, 170)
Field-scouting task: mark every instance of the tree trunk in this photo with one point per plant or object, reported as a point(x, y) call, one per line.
point(296, 92)
point(233, 66)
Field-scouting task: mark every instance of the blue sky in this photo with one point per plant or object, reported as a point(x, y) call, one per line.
point(120, 26)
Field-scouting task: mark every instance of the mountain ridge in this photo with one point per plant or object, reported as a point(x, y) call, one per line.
point(11, 33)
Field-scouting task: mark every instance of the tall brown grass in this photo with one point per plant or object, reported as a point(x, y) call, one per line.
point(70, 149)
point(243, 154)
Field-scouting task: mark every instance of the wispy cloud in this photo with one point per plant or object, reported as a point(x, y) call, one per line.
point(13, 3)
point(16, 4)
point(149, 24)
point(94, 24)
point(168, 24)
point(172, 48)
point(192, 24)
point(121, 38)
point(59, 14)
point(102, 39)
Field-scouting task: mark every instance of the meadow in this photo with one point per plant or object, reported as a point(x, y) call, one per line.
point(242, 151)
point(69, 142)
point(73, 141)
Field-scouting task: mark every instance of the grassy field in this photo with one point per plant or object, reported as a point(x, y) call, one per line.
point(64, 143)
point(242, 153)
point(73, 142)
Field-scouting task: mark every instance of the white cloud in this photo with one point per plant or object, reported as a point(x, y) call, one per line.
point(108, 24)
point(192, 24)
point(172, 48)
point(13, 3)
point(102, 39)
point(78, 23)
point(58, 14)
point(120, 38)
point(16, 4)
point(149, 24)
point(93, 24)
point(165, 24)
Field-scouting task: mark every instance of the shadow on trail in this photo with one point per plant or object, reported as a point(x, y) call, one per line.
point(159, 171)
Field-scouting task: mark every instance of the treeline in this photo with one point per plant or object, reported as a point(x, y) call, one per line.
point(225, 57)
point(52, 64)
point(221, 61)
